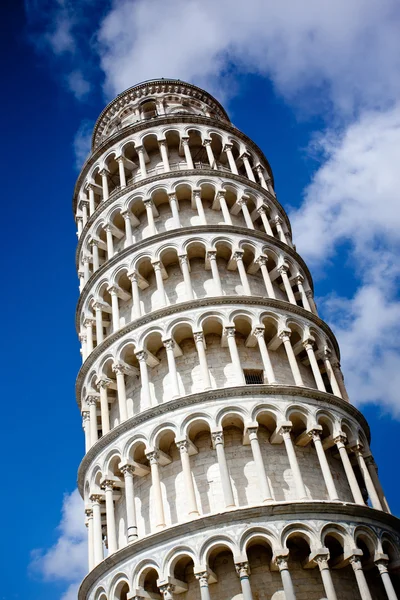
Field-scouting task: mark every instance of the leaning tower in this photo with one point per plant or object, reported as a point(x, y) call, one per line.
point(223, 457)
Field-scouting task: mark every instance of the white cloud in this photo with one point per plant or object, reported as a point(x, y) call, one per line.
point(71, 593)
point(66, 560)
point(82, 142)
point(346, 48)
point(78, 85)
point(354, 199)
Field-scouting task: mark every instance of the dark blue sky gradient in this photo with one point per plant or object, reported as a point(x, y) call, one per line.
point(42, 440)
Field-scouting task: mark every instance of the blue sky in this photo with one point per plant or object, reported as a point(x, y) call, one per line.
point(317, 89)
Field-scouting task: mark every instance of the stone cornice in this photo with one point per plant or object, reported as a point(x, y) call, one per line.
point(193, 304)
point(118, 193)
point(143, 125)
point(220, 394)
point(285, 510)
point(173, 234)
point(184, 88)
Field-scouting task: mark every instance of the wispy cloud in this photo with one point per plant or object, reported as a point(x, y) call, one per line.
point(82, 141)
point(66, 560)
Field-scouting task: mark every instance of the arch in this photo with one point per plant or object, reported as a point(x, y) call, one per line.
point(216, 542)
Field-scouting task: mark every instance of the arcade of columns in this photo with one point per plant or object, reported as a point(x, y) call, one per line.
point(223, 456)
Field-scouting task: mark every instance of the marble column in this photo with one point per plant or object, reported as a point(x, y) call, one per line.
point(323, 462)
point(360, 578)
point(329, 371)
point(230, 335)
point(224, 207)
point(184, 263)
point(210, 153)
point(372, 493)
point(212, 257)
point(156, 485)
point(231, 160)
point(135, 295)
point(243, 570)
point(183, 446)
point(142, 163)
point(287, 583)
point(94, 434)
point(113, 291)
point(148, 204)
point(121, 169)
point(144, 380)
point(86, 428)
point(382, 564)
point(201, 351)
point(164, 154)
point(351, 478)
point(159, 282)
point(108, 486)
point(169, 345)
point(308, 347)
point(294, 465)
point(282, 270)
point(202, 578)
point(218, 442)
point(245, 158)
point(119, 371)
point(188, 154)
point(97, 532)
point(102, 384)
point(238, 257)
point(300, 281)
point(284, 335)
point(89, 524)
point(322, 562)
point(110, 242)
point(262, 211)
point(262, 261)
point(269, 371)
point(199, 206)
point(173, 202)
point(265, 490)
point(131, 522)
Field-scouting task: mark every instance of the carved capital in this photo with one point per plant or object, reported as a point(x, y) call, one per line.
point(230, 331)
point(355, 563)
point(340, 439)
point(91, 400)
point(118, 368)
point(202, 578)
point(107, 485)
point(95, 498)
point(238, 255)
point(169, 344)
point(261, 260)
point(282, 562)
point(183, 446)
point(152, 457)
point(198, 336)
point(382, 564)
point(217, 437)
point(127, 469)
point(183, 259)
point(258, 332)
point(141, 355)
point(284, 334)
point(103, 382)
point(211, 254)
point(242, 569)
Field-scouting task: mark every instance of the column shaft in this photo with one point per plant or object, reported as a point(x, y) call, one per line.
point(230, 334)
point(265, 490)
point(183, 261)
point(131, 524)
point(224, 209)
point(351, 478)
point(212, 255)
point(187, 474)
point(323, 462)
point(205, 373)
point(294, 465)
point(110, 517)
point(97, 534)
point(156, 485)
point(292, 360)
point(218, 438)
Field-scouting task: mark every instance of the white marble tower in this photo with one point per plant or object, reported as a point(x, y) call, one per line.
point(223, 458)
